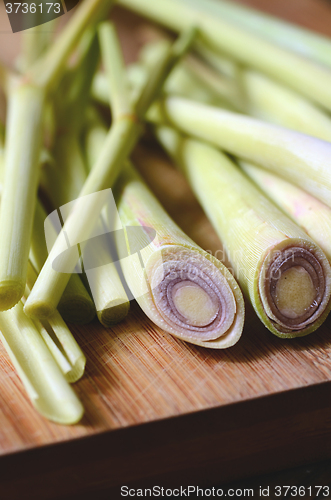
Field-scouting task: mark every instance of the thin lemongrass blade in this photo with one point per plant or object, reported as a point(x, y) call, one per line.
point(76, 305)
point(308, 212)
point(299, 73)
point(183, 289)
point(23, 142)
point(285, 274)
point(115, 70)
point(120, 142)
point(301, 159)
point(48, 70)
point(308, 43)
point(46, 386)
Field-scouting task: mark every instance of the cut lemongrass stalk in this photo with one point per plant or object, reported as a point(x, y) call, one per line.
point(121, 140)
point(308, 212)
point(285, 274)
point(301, 40)
point(22, 149)
point(273, 102)
point(110, 297)
point(76, 305)
point(183, 289)
point(189, 78)
point(46, 386)
point(47, 71)
point(299, 158)
point(305, 76)
point(59, 339)
point(23, 146)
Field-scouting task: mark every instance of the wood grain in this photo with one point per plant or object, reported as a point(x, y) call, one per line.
point(158, 408)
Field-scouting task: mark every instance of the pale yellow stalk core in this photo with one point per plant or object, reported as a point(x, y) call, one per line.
point(295, 292)
point(192, 302)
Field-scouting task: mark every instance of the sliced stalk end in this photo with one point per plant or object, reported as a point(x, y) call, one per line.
point(78, 309)
point(294, 287)
point(114, 313)
point(10, 293)
point(39, 309)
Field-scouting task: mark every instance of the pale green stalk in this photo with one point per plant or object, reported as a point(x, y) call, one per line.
point(183, 289)
point(111, 300)
point(44, 383)
point(301, 159)
point(284, 33)
point(285, 274)
point(48, 70)
point(275, 103)
point(21, 177)
point(23, 147)
point(301, 74)
point(59, 339)
point(308, 212)
point(76, 305)
point(121, 140)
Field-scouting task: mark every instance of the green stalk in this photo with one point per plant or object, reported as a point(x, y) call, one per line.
point(285, 274)
point(303, 160)
point(49, 69)
point(21, 176)
point(23, 147)
point(313, 216)
point(44, 383)
point(299, 73)
point(181, 288)
point(59, 339)
point(109, 295)
point(286, 34)
point(121, 140)
point(270, 101)
point(76, 305)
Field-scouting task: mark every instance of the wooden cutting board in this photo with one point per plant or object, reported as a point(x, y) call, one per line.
point(160, 411)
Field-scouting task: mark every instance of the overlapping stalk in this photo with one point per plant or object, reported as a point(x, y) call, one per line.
point(308, 212)
point(181, 288)
point(307, 77)
point(23, 145)
point(291, 36)
point(301, 159)
point(285, 274)
point(45, 385)
point(121, 139)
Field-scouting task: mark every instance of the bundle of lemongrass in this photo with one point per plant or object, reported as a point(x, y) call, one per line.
point(278, 254)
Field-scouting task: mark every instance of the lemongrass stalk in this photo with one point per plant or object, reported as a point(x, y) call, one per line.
point(115, 70)
point(48, 70)
point(23, 146)
point(303, 75)
point(21, 175)
point(76, 305)
point(121, 140)
point(308, 43)
point(285, 274)
point(59, 339)
point(44, 383)
point(110, 297)
point(270, 101)
point(192, 78)
point(183, 289)
point(303, 160)
point(308, 212)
